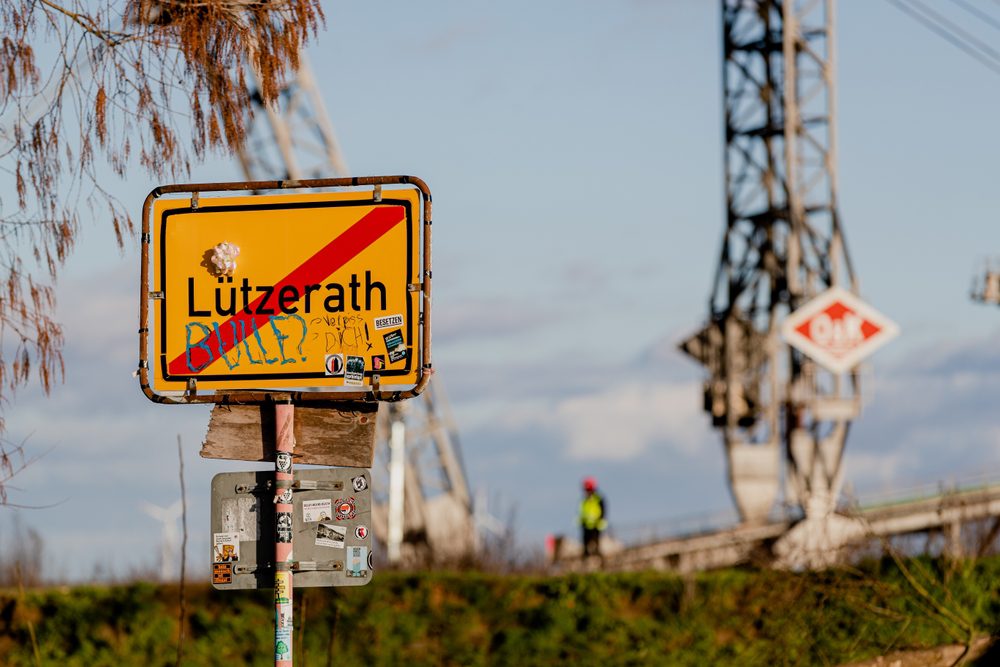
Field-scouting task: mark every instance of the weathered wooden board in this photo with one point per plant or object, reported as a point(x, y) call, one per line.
point(334, 434)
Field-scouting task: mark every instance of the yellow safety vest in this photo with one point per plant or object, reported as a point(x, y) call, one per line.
point(591, 516)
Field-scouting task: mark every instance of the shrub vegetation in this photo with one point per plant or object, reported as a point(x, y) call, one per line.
point(733, 617)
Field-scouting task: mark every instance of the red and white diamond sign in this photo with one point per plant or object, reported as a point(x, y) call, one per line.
point(838, 329)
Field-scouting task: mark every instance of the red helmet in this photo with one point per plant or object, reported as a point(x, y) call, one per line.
point(589, 484)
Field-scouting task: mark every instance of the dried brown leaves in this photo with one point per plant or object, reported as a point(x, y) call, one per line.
point(88, 85)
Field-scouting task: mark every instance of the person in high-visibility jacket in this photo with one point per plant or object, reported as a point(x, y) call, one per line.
point(593, 517)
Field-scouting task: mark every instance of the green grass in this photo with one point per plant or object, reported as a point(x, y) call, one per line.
point(733, 617)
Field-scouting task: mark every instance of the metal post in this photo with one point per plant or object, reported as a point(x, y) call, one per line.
point(397, 472)
point(285, 443)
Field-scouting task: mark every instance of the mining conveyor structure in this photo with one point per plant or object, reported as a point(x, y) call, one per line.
point(783, 244)
point(428, 517)
point(986, 284)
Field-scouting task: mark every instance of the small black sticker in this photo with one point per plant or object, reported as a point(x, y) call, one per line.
point(284, 527)
point(355, 373)
point(395, 345)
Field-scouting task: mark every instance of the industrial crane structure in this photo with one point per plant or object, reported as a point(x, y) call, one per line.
point(783, 244)
point(784, 418)
point(422, 501)
point(986, 285)
point(422, 509)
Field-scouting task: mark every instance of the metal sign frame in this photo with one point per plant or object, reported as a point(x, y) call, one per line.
point(298, 395)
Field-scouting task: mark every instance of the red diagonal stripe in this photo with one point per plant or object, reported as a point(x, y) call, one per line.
point(370, 228)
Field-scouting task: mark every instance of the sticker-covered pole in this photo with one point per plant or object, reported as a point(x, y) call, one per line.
point(285, 443)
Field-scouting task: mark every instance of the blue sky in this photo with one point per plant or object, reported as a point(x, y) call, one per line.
point(575, 155)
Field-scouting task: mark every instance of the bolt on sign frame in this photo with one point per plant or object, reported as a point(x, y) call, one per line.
point(329, 298)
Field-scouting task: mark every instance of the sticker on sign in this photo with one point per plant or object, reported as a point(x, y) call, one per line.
point(838, 329)
point(390, 322)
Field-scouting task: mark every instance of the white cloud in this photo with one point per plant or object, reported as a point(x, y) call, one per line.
point(100, 314)
point(623, 422)
point(620, 422)
point(874, 470)
point(487, 318)
point(928, 419)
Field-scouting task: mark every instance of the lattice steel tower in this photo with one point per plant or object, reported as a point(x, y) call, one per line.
point(295, 140)
point(783, 244)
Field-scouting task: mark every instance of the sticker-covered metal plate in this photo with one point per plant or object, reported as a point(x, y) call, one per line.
point(331, 528)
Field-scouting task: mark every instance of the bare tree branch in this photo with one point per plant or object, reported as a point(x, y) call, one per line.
point(92, 86)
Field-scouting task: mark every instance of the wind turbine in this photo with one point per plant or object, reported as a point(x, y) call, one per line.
point(485, 521)
point(170, 540)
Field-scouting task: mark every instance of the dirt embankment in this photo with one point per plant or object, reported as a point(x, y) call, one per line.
point(984, 651)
